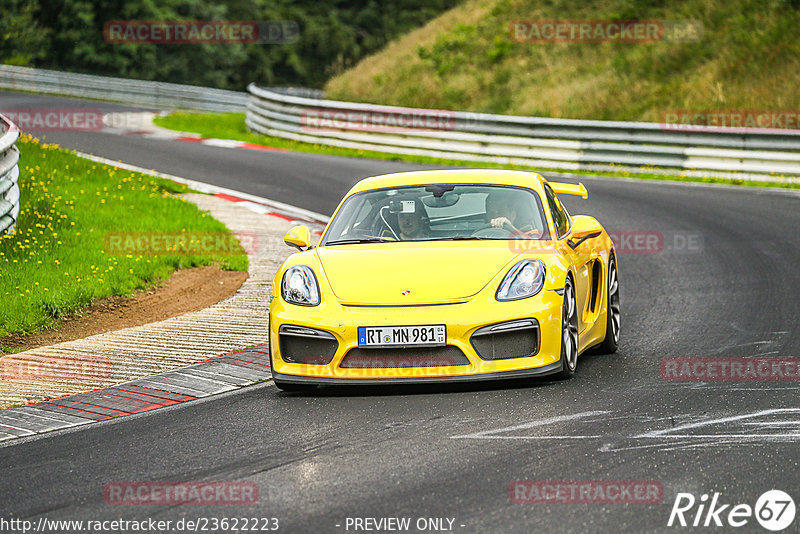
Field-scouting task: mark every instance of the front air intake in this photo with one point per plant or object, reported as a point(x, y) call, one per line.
point(299, 344)
point(515, 339)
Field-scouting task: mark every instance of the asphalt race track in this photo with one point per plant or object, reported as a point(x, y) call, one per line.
point(722, 282)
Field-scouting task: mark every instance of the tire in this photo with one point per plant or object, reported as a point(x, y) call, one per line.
point(611, 341)
point(569, 333)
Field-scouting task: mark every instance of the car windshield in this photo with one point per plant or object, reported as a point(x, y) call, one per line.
point(439, 212)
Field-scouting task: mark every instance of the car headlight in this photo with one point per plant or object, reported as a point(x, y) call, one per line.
point(524, 280)
point(299, 286)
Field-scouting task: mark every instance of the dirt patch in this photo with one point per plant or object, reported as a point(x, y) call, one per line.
point(186, 291)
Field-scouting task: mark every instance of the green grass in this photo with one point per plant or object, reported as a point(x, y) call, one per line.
point(746, 58)
point(58, 261)
point(231, 126)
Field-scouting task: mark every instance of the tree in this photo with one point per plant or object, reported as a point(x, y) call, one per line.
point(22, 40)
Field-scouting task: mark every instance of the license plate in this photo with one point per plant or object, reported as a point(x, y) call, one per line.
point(398, 336)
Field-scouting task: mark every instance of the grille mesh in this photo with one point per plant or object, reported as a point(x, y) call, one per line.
point(396, 358)
point(300, 349)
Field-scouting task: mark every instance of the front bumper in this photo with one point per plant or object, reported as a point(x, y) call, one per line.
point(553, 368)
point(462, 320)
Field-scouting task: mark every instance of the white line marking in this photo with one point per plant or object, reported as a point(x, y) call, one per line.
point(222, 386)
point(490, 434)
point(527, 437)
point(4, 422)
point(33, 411)
point(222, 143)
point(774, 423)
point(609, 447)
point(685, 446)
point(666, 432)
point(740, 437)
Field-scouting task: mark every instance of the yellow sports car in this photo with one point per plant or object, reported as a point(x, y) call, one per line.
point(444, 276)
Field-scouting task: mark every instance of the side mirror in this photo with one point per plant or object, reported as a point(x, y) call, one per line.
point(584, 223)
point(298, 237)
point(583, 228)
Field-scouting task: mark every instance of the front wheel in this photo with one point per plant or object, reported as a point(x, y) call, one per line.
point(569, 332)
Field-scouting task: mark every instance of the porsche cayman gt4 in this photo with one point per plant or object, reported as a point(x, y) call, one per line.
point(444, 276)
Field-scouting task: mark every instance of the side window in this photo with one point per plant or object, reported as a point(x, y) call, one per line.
point(363, 212)
point(560, 217)
point(360, 208)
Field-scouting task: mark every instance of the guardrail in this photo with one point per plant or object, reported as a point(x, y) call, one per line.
point(146, 93)
point(9, 174)
point(534, 141)
point(160, 95)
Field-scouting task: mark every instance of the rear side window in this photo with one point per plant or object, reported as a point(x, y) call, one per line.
point(560, 216)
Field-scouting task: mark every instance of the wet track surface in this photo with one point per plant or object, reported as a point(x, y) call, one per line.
point(724, 282)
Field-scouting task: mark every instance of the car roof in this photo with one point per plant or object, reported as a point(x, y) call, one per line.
point(530, 180)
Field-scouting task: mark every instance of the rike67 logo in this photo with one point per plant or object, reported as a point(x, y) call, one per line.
point(774, 510)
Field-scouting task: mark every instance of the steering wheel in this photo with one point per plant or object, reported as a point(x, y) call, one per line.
point(490, 231)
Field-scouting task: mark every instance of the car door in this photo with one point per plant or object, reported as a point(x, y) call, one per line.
point(578, 251)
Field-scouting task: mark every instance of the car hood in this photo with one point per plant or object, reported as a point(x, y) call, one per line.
point(412, 273)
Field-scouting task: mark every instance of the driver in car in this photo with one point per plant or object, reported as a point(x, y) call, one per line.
point(502, 211)
point(413, 224)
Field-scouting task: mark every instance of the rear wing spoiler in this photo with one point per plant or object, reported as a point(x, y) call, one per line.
point(569, 189)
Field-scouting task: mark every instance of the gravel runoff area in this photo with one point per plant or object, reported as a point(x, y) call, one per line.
point(120, 356)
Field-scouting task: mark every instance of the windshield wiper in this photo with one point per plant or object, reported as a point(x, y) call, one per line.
point(357, 241)
point(466, 238)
